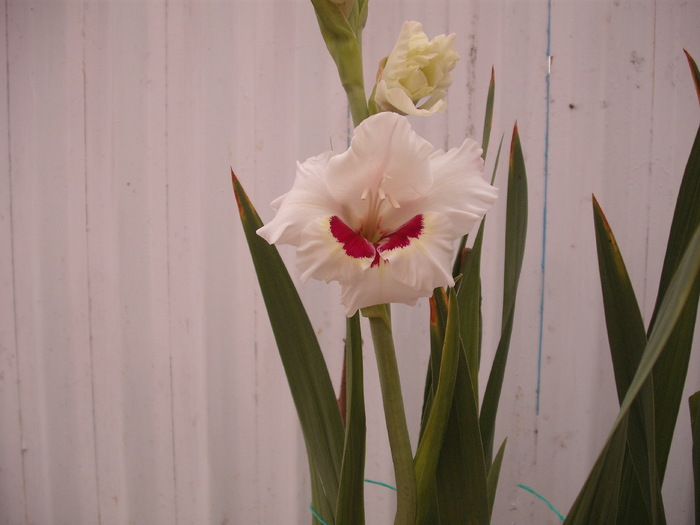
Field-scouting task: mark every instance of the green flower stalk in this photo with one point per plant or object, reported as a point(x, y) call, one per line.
point(394, 413)
point(341, 23)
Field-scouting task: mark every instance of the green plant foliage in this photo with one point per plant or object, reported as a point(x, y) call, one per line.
point(430, 444)
point(516, 230)
point(350, 510)
point(488, 116)
point(670, 371)
point(694, 72)
point(438, 323)
point(627, 337)
point(343, 37)
point(694, 403)
point(494, 473)
point(650, 368)
point(304, 365)
point(461, 483)
point(594, 503)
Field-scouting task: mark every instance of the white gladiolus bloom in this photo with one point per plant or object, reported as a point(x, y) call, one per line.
point(382, 217)
point(416, 75)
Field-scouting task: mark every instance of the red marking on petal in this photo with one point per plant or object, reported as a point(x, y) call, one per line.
point(353, 243)
point(401, 238)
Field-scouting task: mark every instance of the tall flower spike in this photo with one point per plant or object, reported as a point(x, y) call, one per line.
point(382, 217)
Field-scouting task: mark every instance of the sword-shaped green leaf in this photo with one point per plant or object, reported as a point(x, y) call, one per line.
point(694, 403)
point(516, 230)
point(304, 365)
point(670, 371)
point(694, 72)
point(428, 452)
point(488, 116)
point(494, 474)
point(461, 482)
point(438, 323)
point(627, 339)
point(350, 510)
point(595, 503)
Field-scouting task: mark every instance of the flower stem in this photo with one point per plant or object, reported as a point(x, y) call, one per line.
point(399, 441)
point(357, 103)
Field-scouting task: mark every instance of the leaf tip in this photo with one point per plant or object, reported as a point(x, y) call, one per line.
point(693, 72)
point(238, 193)
point(515, 141)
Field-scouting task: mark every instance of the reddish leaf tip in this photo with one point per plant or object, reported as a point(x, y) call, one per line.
point(237, 190)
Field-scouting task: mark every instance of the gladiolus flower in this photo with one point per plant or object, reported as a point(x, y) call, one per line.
point(382, 217)
point(415, 69)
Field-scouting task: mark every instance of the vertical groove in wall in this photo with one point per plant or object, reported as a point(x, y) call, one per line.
point(10, 214)
point(167, 258)
point(89, 266)
point(642, 294)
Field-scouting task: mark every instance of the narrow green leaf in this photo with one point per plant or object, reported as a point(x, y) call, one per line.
point(627, 338)
point(461, 476)
point(488, 117)
point(516, 230)
point(598, 499)
point(438, 323)
point(516, 222)
point(304, 365)
point(594, 503)
point(429, 446)
point(320, 505)
point(694, 402)
point(350, 508)
point(469, 301)
point(670, 371)
point(630, 495)
point(626, 332)
point(676, 298)
point(694, 72)
point(461, 255)
point(494, 474)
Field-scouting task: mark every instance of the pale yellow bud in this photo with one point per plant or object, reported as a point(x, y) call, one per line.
point(416, 74)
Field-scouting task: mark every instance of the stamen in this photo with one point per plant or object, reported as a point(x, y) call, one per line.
point(393, 202)
point(380, 192)
point(365, 192)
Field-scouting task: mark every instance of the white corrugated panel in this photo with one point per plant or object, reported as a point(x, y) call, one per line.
point(139, 381)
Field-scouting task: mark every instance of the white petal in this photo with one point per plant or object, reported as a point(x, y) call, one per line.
point(322, 257)
point(377, 286)
point(308, 199)
point(460, 191)
point(411, 33)
point(384, 151)
point(426, 262)
point(396, 99)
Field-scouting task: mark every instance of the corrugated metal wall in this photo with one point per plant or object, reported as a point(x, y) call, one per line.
point(139, 382)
